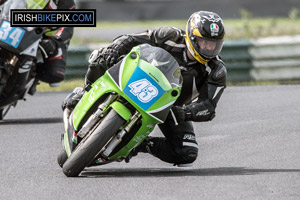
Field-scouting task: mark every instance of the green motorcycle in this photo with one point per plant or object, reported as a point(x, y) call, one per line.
point(120, 109)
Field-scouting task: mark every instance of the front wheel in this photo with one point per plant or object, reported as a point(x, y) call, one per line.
point(86, 151)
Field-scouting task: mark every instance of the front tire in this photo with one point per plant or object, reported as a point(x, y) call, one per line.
point(88, 150)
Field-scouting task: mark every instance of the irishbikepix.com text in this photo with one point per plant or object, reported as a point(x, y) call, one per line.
point(77, 18)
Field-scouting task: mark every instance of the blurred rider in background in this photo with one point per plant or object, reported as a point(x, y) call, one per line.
point(54, 44)
point(204, 80)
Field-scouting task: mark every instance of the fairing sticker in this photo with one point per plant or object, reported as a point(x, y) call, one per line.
point(11, 35)
point(142, 89)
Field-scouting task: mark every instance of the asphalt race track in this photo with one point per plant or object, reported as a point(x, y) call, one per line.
point(250, 151)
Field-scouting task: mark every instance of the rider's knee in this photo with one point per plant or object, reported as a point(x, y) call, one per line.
point(187, 155)
point(52, 72)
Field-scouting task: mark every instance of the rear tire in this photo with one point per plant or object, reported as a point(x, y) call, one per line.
point(62, 157)
point(85, 152)
point(3, 112)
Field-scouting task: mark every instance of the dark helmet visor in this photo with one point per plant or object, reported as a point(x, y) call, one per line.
point(209, 47)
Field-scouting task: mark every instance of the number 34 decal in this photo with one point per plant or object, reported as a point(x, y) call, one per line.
point(143, 90)
point(11, 35)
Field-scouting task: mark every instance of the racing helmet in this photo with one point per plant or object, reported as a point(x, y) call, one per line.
point(204, 35)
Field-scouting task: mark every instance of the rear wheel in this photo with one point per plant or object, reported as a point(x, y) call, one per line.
point(4, 111)
point(86, 151)
point(62, 157)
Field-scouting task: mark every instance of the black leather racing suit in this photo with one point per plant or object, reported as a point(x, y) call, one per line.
point(205, 82)
point(54, 66)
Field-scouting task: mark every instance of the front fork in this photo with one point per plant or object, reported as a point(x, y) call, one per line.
point(6, 71)
point(94, 118)
point(68, 140)
point(118, 138)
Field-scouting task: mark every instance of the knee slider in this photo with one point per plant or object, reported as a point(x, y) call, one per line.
point(56, 75)
point(51, 73)
point(187, 155)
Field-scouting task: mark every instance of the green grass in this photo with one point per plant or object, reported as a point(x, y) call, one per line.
point(154, 23)
point(68, 85)
point(246, 27)
point(258, 27)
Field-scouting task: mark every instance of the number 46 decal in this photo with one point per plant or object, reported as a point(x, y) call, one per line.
point(143, 90)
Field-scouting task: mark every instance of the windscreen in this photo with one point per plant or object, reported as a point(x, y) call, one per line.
point(164, 61)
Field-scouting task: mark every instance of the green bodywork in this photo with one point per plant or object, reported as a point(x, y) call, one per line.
point(107, 84)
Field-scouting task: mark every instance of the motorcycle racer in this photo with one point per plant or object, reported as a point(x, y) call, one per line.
point(54, 44)
point(204, 80)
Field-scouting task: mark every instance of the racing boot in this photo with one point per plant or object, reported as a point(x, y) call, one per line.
point(72, 99)
point(69, 104)
point(144, 147)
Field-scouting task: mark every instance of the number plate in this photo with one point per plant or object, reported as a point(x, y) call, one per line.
point(142, 89)
point(11, 35)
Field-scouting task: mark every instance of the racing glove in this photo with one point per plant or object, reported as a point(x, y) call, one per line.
point(121, 46)
point(111, 55)
point(50, 46)
point(198, 112)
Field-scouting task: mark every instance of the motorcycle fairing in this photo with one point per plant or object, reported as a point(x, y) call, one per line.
point(127, 76)
point(19, 40)
point(11, 35)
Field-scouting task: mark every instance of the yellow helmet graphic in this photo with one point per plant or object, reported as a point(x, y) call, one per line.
point(204, 35)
